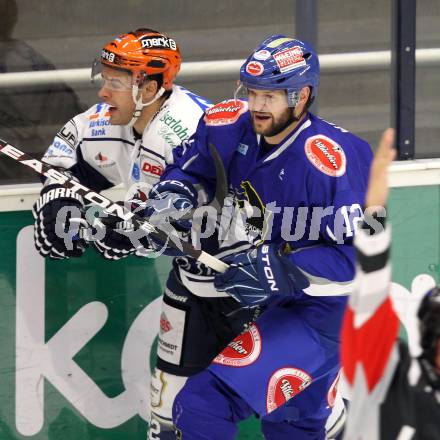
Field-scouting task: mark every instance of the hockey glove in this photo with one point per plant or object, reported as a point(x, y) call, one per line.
point(119, 239)
point(57, 215)
point(260, 274)
point(167, 202)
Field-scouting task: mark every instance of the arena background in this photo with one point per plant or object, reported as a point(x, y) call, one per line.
point(76, 336)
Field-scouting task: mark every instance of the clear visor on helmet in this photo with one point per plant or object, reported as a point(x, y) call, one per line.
point(267, 100)
point(111, 78)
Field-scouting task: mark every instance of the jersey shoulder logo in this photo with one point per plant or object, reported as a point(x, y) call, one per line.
point(226, 112)
point(284, 384)
point(326, 155)
point(243, 350)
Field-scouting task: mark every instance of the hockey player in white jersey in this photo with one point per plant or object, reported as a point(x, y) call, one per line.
point(129, 138)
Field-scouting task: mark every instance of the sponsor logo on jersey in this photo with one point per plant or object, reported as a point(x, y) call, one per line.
point(165, 324)
point(95, 115)
point(103, 161)
point(98, 132)
point(226, 112)
point(333, 391)
point(99, 123)
point(326, 155)
point(243, 350)
point(149, 168)
point(254, 68)
point(60, 146)
point(284, 384)
point(262, 55)
point(176, 125)
point(101, 158)
point(158, 43)
point(289, 59)
point(68, 133)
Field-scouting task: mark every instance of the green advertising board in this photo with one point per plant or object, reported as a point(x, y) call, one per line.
point(78, 336)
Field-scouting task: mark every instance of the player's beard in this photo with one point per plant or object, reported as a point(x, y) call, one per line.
point(278, 124)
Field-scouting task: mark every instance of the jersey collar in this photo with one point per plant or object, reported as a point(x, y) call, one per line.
point(288, 141)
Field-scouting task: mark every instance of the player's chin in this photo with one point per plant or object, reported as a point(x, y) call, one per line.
point(262, 122)
point(116, 118)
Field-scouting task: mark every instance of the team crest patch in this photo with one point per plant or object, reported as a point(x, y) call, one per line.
point(289, 59)
point(333, 391)
point(226, 112)
point(254, 68)
point(284, 384)
point(243, 350)
point(326, 155)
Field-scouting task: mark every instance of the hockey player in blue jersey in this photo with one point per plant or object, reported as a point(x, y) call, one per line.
point(299, 184)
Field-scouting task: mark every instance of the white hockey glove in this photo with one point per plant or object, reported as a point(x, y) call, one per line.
point(57, 215)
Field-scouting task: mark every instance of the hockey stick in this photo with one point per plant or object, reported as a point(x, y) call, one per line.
point(110, 207)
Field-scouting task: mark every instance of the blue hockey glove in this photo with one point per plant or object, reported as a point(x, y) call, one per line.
point(167, 202)
point(260, 274)
point(57, 215)
point(171, 199)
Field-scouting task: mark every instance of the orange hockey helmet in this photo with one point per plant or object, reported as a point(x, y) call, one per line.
point(144, 53)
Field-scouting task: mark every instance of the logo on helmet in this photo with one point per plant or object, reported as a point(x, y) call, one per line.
point(254, 68)
point(108, 56)
point(262, 55)
point(289, 59)
point(158, 42)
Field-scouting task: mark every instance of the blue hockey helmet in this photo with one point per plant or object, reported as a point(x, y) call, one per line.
point(281, 62)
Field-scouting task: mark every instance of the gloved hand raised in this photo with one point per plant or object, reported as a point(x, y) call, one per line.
point(260, 274)
point(57, 215)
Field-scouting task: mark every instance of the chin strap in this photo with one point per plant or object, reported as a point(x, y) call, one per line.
point(140, 105)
